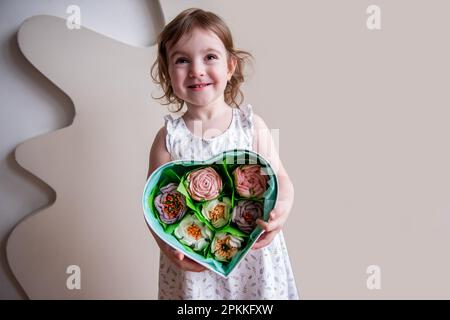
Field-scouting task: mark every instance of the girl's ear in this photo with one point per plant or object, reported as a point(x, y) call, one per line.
point(232, 63)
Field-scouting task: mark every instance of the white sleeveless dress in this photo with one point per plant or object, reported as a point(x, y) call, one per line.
point(264, 273)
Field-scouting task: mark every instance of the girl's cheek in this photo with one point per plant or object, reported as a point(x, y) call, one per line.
point(180, 72)
point(176, 69)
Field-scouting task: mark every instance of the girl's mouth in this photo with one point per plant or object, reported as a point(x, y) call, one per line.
point(198, 87)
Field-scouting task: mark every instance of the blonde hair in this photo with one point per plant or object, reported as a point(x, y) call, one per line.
point(183, 24)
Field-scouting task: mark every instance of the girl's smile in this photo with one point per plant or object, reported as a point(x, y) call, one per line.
point(199, 86)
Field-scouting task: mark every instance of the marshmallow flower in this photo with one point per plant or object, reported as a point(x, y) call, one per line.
point(245, 214)
point(225, 246)
point(250, 181)
point(217, 212)
point(204, 184)
point(193, 233)
point(170, 204)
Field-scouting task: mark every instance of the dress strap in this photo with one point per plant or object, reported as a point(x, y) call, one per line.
point(245, 122)
point(171, 125)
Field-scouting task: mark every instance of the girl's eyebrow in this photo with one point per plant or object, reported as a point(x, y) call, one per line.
point(184, 53)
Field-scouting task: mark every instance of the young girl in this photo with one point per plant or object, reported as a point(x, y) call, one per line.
point(197, 65)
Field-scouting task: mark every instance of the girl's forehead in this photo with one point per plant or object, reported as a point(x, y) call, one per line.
point(197, 39)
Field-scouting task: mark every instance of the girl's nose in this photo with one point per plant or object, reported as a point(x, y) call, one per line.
point(197, 70)
point(195, 73)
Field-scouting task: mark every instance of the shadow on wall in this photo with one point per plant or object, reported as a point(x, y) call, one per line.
point(154, 11)
point(63, 110)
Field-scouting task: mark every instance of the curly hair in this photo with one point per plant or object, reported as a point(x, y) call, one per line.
point(183, 24)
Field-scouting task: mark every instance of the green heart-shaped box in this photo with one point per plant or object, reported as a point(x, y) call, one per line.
point(224, 163)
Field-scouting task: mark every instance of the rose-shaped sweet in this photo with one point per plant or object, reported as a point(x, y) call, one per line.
point(245, 214)
point(204, 184)
point(170, 204)
point(217, 212)
point(250, 181)
point(225, 246)
point(193, 233)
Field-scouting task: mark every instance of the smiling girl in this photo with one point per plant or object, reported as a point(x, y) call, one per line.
point(198, 66)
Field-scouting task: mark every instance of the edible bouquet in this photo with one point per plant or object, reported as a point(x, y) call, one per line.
point(208, 209)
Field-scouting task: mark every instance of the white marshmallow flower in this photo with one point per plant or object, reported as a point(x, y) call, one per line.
point(217, 212)
point(225, 246)
point(193, 233)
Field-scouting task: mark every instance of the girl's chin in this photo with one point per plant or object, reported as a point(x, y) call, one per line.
point(198, 105)
point(199, 102)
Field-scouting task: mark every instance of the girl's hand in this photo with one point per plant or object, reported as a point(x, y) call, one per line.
point(277, 219)
point(178, 258)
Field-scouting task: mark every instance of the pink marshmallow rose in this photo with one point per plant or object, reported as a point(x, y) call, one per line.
point(204, 184)
point(250, 181)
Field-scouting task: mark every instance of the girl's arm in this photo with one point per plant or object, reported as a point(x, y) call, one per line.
point(158, 152)
point(263, 144)
point(159, 156)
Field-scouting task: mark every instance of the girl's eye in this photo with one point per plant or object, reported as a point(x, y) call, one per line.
point(180, 60)
point(184, 60)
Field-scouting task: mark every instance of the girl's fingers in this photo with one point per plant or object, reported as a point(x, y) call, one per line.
point(274, 214)
point(179, 255)
point(262, 224)
point(276, 221)
point(268, 226)
point(265, 240)
point(190, 265)
point(186, 263)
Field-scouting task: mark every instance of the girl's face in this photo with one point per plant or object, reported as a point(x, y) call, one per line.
point(199, 68)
